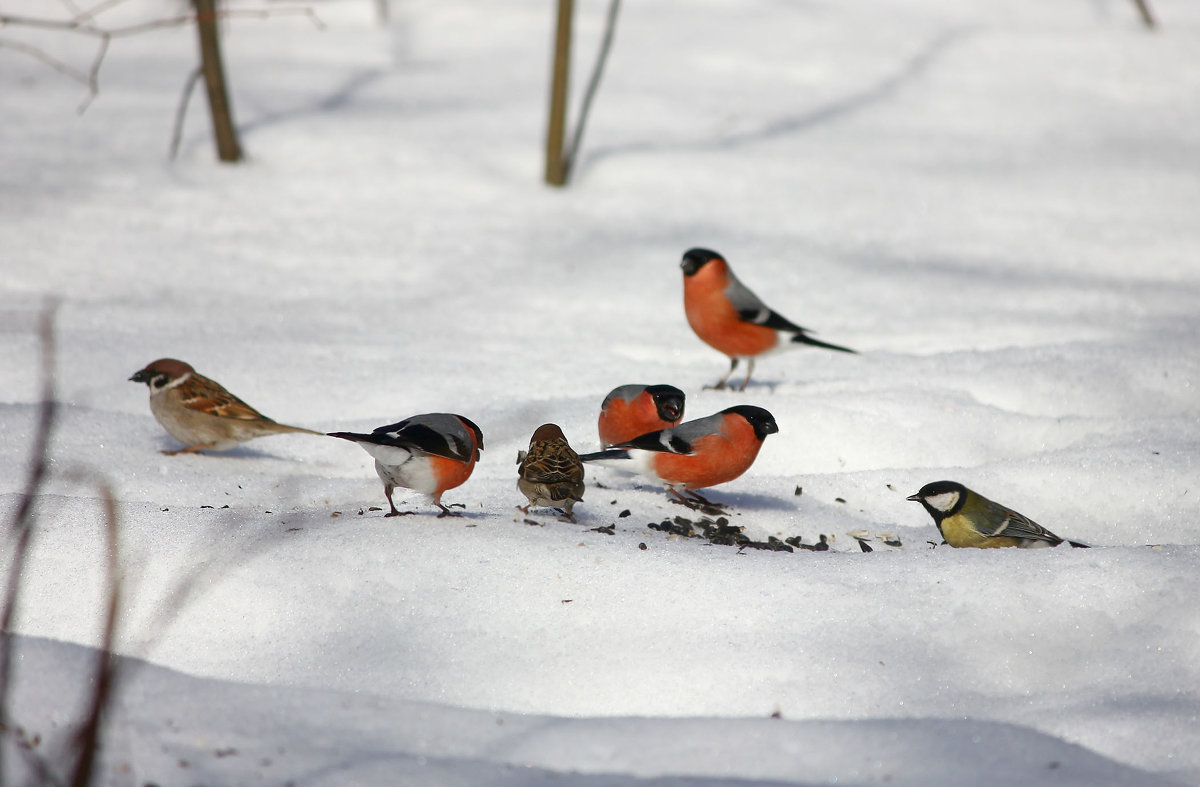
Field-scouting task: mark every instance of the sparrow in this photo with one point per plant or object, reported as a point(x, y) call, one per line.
point(695, 454)
point(968, 519)
point(426, 453)
point(551, 473)
point(634, 410)
point(730, 318)
point(199, 412)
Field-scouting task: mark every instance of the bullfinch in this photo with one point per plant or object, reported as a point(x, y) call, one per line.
point(695, 454)
point(426, 453)
point(634, 410)
point(730, 318)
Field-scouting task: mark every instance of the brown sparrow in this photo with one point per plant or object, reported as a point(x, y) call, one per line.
point(199, 412)
point(551, 473)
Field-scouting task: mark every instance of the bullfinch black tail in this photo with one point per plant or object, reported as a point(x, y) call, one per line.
point(600, 456)
point(803, 338)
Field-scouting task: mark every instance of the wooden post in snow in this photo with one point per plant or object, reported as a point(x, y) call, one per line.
point(224, 133)
point(556, 170)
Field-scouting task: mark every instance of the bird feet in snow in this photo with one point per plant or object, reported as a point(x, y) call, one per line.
point(698, 503)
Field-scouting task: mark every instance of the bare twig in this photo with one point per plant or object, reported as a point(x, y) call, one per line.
point(48, 59)
point(1143, 7)
point(84, 22)
point(86, 25)
point(181, 111)
point(106, 664)
point(610, 26)
point(21, 528)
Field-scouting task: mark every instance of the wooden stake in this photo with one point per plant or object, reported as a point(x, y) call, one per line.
point(224, 132)
point(556, 170)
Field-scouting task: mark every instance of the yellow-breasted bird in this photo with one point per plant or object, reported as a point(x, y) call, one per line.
point(968, 519)
point(551, 473)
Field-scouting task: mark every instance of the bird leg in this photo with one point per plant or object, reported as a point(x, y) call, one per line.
point(733, 362)
point(749, 371)
point(191, 449)
point(447, 511)
point(387, 490)
point(697, 503)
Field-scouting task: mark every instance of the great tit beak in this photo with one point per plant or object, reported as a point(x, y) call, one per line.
point(915, 498)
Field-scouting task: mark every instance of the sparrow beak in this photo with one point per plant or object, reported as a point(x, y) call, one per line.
point(915, 498)
point(139, 377)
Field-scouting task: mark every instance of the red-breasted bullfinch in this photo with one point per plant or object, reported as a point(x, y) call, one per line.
point(426, 453)
point(695, 454)
point(728, 317)
point(634, 410)
point(551, 473)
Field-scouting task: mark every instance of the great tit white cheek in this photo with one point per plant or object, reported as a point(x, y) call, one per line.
point(944, 501)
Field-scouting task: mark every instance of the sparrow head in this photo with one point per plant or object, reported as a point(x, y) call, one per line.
point(762, 421)
point(162, 373)
point(668, 401)
point(695, 259)
point(547, 432)
point(941, 498)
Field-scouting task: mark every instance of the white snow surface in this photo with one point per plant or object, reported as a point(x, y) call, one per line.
point(997, 204)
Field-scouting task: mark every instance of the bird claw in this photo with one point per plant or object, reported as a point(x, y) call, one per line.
point(698, 503)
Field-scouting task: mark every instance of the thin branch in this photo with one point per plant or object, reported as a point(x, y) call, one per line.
point(94, 11)
point(93, 82)
point(47, 59)
point(610, 26)
point(85, 24)
point(1143, 7)
point(181, 111)
point(106, 664)
point(21, 529)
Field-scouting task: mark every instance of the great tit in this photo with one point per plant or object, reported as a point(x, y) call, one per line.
point(968, 519)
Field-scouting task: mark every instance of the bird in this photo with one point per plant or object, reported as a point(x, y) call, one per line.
point(631, 411)
point(551, 473)
point(428, 453)
point(199, 412)
point(968, 519)
point(730, 318)
point(695, 454)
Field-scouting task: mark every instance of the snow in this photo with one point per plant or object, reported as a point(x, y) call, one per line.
point(997, 206)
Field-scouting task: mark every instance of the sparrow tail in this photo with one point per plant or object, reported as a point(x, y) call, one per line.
point(300, 429)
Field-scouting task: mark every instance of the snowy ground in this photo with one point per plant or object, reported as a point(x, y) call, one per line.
point(996, 206)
